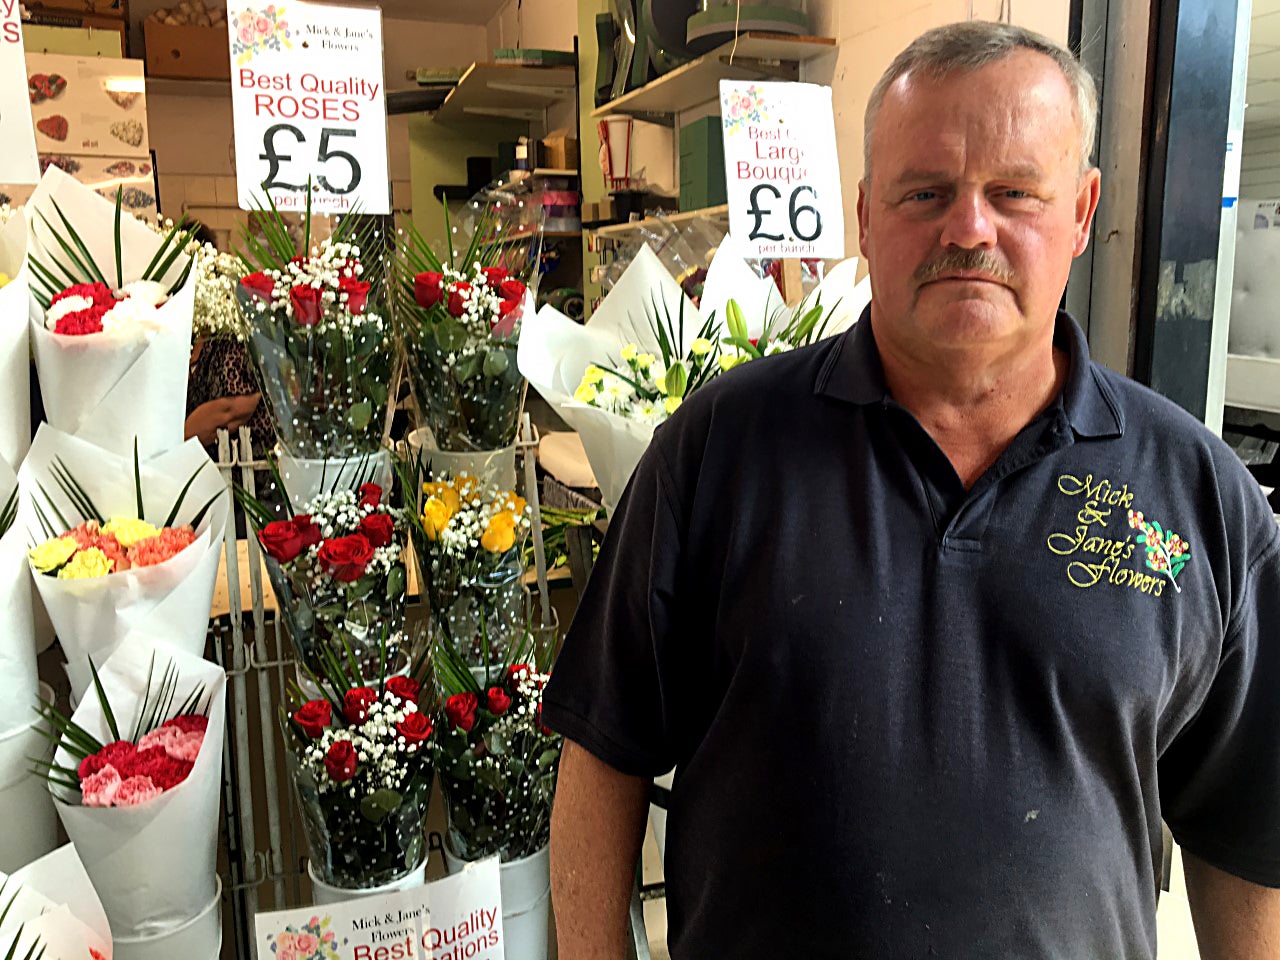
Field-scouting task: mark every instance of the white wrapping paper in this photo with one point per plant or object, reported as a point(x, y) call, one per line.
point(15, 362)
point(26, 809)
point(109, 388)
point(729, 278)
point(18, 683)
point(154, 865)
point(305, 479)
point(58, 904)
point(169, 601)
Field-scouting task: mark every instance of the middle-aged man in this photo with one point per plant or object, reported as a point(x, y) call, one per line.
point(937, 619)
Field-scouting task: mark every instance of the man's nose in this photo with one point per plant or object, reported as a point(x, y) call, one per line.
point(968, 222)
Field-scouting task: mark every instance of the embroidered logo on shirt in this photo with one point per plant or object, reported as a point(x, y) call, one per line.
point(1103, 553)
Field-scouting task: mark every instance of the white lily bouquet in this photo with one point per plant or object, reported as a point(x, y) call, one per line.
point(136, 779)
point(15, 386)
point(123, 546)
point(49, 910)
point(111, 310)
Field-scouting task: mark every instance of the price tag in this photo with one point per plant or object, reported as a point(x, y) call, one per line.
point(309, 100)
point(781, 169)
point(18, 161)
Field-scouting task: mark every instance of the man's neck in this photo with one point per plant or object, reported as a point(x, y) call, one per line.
point(973, 403)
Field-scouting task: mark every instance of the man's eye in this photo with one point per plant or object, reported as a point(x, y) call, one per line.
point(923, 196)
point(1017, 194)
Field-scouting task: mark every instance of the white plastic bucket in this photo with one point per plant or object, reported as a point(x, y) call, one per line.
point(305, 479)
point(26, 806)
point(497, 467)
point(199, 937)
point(526, 903)
point(323, 894)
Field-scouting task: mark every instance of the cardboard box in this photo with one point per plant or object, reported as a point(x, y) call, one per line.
point(105, 8)
point(560, 151)
point(88, 37)
point(187, 52)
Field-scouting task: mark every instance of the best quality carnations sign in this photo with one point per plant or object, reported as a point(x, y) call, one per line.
point(310, 105)
point(18, 163)
point(781, 169)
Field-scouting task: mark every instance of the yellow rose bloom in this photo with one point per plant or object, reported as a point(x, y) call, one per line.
point(592, 374)
point(52, 553)
point(86, 565)
point(630, 352)
point(672, 404)
point(129, 530)
point(500, 535)
point(435, 516)
point(586, 392)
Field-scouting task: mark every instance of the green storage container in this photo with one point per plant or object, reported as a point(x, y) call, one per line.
point(702, 181)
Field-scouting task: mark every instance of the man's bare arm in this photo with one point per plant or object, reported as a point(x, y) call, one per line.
point(597, 828)
point(1235, 919)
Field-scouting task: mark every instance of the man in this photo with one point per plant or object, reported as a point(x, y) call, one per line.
point(936, 620)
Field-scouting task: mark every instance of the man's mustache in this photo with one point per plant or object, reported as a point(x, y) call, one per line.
point(964, 261)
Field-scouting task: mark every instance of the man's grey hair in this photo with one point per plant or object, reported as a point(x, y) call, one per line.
point(970, 45)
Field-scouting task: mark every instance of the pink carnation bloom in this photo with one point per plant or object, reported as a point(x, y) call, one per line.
point(102, 788)
point(187, 747)
point(189, 723)
point(163, 737)
point(165, 545)
point(136, 791)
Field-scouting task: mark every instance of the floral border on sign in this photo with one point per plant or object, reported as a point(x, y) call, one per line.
point(313, 942)
point(744, 107)
point(259, 31)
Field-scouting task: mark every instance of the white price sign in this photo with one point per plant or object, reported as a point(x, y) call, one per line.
point(309, 100)
point(781, 169)
point(18, 160)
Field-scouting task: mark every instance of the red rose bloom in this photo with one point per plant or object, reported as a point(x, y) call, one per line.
point(428, 289)
point(511, 290)
point(404, 687)
point(415, 728)
point(281, 540)
point(378, 529)
point(260, 285)
point(306, 529)
point(313, 716)
point(498, 701)
point(461, 711)
point(357, 292)
point(457, 303)
point(356, 703)
point(305, 301)
point(189, 723)
point(346, 558)
point(97, 292)
point(517, 672)
point(340, 761)
point(495, 275)
point(370, 495)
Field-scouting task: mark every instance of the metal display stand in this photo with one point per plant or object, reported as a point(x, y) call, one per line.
point(263, 855)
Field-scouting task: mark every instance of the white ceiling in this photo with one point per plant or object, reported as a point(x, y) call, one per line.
point(449, 11)
point(1262, 94)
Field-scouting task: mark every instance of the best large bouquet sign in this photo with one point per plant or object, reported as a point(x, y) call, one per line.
point(309, 101)
point(781, 169)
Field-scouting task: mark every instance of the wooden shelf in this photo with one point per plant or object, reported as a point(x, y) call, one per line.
point(620, 229)
point(164, 86)
point(506, 91)
point(1253, 383)
point(759, 56)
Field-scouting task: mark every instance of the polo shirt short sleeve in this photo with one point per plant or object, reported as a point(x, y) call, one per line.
point(911, 719)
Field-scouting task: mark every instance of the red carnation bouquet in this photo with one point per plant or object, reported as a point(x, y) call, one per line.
point(338, 571)
point(361, 760)
point(320, 341)
point(136, 780)
point(460, 323)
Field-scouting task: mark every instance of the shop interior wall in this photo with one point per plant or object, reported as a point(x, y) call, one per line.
point(1260, 162)
point(191, 127)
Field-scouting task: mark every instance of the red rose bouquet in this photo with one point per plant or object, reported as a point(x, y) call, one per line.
point(338, 572)
point(136, 780)
point(319, 339)
point(460, 323)
point(497, 762)
point(361, 761)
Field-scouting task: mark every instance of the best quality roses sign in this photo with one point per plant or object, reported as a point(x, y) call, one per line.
point(310, 106)
point(18, 163)
point(781, 169)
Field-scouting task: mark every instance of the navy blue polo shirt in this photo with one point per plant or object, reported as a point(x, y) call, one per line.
point(914, 720)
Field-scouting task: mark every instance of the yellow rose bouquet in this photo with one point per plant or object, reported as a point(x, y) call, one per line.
point(469, 541)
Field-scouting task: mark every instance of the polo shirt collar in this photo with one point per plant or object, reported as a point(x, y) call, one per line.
point(854, 374)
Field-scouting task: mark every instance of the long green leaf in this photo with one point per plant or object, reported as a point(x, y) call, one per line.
point(182, 495)
point(119, 243)
point(90, 269)
point(137, 480)
point(107, 713)
point(54, 507)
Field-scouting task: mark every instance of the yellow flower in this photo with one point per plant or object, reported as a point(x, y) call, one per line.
point(129, 530)
point(586, 392)
point(508, 501)
point(630, 352)
point(500, 535)
point(700, 347)
point(592, 374)
point(5, 279)
point(645, 360)
point(435, 516)
point(446, 493)
point(52, 553)
point(729, 361)
point(672, 404)
point(86, 565)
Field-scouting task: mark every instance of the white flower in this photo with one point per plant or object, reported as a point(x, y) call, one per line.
point(65, 307)
point(144, 291)
point(130, 315)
